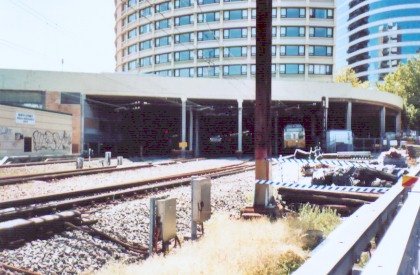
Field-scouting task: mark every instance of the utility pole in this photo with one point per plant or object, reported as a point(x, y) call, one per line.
point(263, 101)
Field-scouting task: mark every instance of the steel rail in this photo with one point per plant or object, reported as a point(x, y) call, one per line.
point(79, 172)
point(102, 189)
point(29, 211)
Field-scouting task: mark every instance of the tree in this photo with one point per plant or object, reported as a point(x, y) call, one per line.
point(348, 75)
point(405, 82)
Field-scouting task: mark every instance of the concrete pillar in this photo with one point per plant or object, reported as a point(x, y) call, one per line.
point(183, 123)
point(325, 105)
point(382, 117)
point(398, 123)
point(82, 122)
point(313, 130)
point(191, 130)
point(276, 134)
point(348, 117)
point(240, 101)
point(197, 136)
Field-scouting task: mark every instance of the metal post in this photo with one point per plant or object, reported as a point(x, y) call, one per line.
point(276, 134)
point(191, 130)
point(263, 100)
point(383, 115)
point(152, 215)
point(239, 152)
point(197, 136)
point(184, 124)
point(348, 117)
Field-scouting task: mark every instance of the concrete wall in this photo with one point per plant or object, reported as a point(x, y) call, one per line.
point(46, 133)
point(53, 103)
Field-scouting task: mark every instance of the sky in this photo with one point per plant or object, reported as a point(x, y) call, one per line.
point(57, 35)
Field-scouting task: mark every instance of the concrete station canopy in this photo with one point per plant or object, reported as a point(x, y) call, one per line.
point(127, 84)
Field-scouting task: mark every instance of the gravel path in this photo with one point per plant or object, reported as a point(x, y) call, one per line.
point(38, 188)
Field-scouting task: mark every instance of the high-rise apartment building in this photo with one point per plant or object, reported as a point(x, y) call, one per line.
point(216, 38)
point(375, 36)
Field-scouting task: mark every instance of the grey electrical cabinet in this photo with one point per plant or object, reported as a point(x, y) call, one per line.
point(166, 212)
point(201, 199)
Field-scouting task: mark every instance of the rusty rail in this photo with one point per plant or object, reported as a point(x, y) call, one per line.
point(72, 173)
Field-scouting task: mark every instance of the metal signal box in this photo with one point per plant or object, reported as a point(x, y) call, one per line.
point(201, 199)
point(166, 213)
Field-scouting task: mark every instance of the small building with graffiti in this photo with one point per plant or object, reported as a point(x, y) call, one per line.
point(34, 132)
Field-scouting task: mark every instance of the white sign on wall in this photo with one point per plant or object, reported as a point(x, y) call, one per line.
point(23, 118)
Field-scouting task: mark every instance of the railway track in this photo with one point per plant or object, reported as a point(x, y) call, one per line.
point(81, 172)
point(33, 206)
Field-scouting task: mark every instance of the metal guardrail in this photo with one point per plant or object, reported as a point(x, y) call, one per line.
point(341, 249)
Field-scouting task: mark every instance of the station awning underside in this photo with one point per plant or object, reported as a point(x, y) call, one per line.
point(149, 86)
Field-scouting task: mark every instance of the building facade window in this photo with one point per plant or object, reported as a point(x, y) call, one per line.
point(320, 32)
point(292, 50)
point(132, 17)
point(235, 33)
point(163, 41)
point(132, 65)
point(184, 37)
point(163, 58)
point(145, 45)
point(183, 55)
point(320, 50)
point(145, 61)
point(184, 20)
point(182, 4)
point(208, 71)
point(146, 12)
point(164, 73)
point(132, 3)
point(292, 31)
point(235, 14)
point(132, 49)
point(320, 69)
point(184, 72)
point(162, 24)
point(208, 17)
point(208, 53)
point(208, 35)
point(292, 68)
point(234, 51)
point(229, 70)
point(321, 13)
point(273, 13)
point(293, 12)
point(132, 33)
point(146, 28)
point(207, 2)
point(163, 7)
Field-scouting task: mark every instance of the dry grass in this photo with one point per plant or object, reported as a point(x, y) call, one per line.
point(238, 247)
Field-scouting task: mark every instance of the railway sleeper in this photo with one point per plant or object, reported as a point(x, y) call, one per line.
point(15, 232)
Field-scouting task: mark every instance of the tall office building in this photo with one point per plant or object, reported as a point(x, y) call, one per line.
point(216, 38)
point(375, 36)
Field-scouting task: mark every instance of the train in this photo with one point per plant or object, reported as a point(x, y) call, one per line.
point(293, 137)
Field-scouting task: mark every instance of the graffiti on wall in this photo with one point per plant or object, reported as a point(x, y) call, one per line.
point(48, 140)
point(5, 131)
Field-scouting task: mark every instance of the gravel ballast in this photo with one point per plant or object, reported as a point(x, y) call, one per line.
point(75, 251)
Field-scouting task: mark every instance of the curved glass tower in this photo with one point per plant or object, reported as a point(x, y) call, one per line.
point(216, 38)
point(374, 36)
